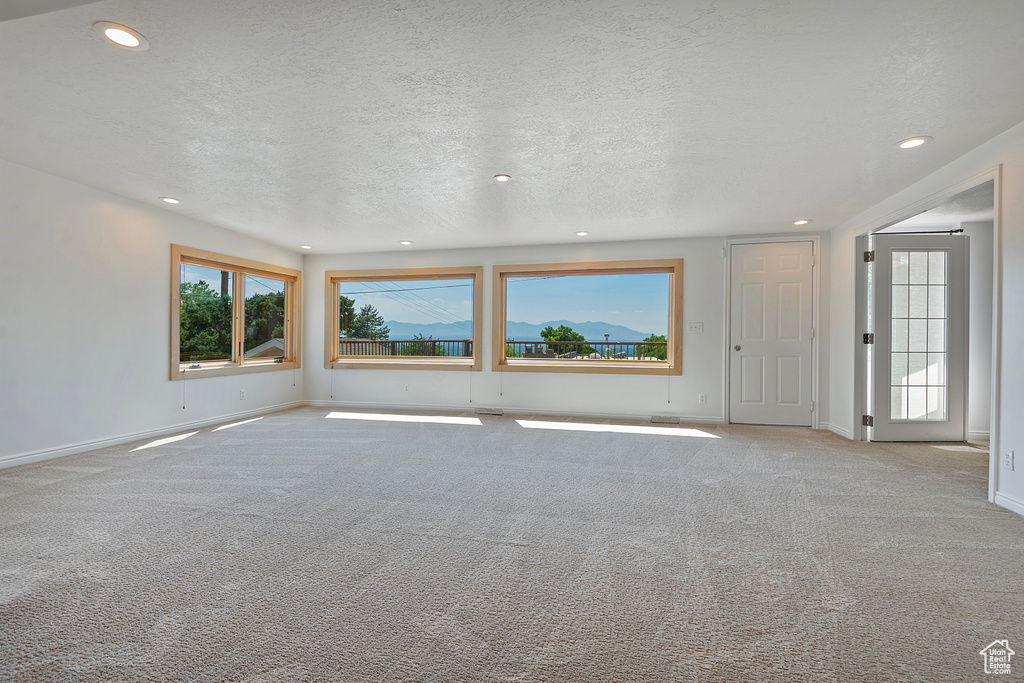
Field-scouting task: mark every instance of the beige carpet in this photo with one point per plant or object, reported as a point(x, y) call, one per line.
point(301, 548)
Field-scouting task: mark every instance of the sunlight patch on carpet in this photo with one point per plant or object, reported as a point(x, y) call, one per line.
point(163, 442)
point(391, 417)
point(235, 424)
point(618, 429)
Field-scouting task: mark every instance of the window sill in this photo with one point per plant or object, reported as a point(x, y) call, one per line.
point(606, 367)
point(224, 369)
point(390, 363)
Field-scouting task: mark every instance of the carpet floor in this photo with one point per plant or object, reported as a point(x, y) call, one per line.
point(297, 547)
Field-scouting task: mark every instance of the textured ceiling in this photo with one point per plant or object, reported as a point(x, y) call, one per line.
point(17, 9)
point(976, 204)
point(353, 125)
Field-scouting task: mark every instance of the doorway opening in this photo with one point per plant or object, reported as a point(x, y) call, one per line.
point(905, 383)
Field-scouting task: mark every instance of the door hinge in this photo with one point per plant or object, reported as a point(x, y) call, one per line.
point(867, 421)
point(869, 257)
point(812, 333)
point(869, 337)
point(812, 406)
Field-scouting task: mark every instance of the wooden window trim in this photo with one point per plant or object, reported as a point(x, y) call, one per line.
point(333, 361)
point(240, 267)
point(672, 366)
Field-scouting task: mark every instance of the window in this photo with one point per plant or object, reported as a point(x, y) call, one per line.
point(607, 317)
point(404, 319)
point(230, 315)
point(919, 330)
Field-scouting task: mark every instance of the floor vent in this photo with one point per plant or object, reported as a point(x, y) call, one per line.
point(664, 420)
point(489, 411)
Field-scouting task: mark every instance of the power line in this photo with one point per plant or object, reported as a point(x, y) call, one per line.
point(407, 289)
point(541, 277)
point(446, 316)
point(272, 290)
point(407, 297)
point(445, 311)
point(418, 307)
point(414, 306)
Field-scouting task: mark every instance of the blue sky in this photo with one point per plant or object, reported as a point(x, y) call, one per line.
point(637, 301)
point(415, 301)
point(253, 284)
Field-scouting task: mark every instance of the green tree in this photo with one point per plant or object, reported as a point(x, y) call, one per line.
point(565, 334)
point(205, 330)
point(660, 351)
point(368, 324)
point(264, 319)
point(421, 346)
point(346, 314)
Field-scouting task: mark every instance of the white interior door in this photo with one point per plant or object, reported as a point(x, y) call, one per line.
point(771, 332)
point(920, 321)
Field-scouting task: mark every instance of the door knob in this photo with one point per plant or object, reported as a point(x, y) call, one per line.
point(736, 348)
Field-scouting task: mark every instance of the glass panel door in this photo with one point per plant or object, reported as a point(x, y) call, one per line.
point(918, 346)
point(920, 318)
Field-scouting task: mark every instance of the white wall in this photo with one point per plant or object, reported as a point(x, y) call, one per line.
point(85, 320)
point(979, 390)
point(1006, 150)
point(599, 395)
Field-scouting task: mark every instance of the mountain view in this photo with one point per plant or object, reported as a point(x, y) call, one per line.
point(593, 331)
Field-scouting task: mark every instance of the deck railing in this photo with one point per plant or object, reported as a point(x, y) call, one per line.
point(586, 350)
point(463, 348)
point(450, 348)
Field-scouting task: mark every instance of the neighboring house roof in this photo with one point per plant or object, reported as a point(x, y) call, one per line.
point(268, 349)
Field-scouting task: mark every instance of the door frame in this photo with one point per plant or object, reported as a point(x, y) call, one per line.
point(860, 399)
point(957, 309)
point(815, 241)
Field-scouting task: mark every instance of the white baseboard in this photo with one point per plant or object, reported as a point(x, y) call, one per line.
point(836, 429)
point(81, 447)
point(845, 433)
point(509, 410)
point(391, 406)
point(1010, 503)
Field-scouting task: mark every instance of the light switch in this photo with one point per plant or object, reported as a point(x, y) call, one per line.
point(694, 328)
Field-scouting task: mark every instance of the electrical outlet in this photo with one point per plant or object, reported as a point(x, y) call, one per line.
point(406, 387)
point(1008, 460)
point(241, 394)
point(695, 328)
point(702, 398)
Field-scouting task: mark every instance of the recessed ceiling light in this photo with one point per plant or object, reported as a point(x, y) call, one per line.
point(405, 243)
point(305, 246)
point(503, 177)
point(802, 221)
point(916, 141)
point(170, 200)
point(582, 233)
point(121, 35)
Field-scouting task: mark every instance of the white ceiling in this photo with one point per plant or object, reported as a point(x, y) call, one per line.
point(353, 125)
point(16, 9)
point(974, 205)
